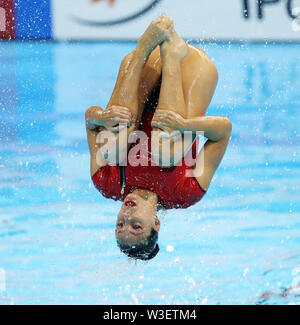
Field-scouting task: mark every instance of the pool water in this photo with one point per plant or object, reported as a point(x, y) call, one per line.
point(239, 245)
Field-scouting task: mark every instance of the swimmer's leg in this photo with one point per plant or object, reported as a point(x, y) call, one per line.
point(199, 81)
point(187, 88)
point(171, 98)
point(132, 76)
point(126, 93)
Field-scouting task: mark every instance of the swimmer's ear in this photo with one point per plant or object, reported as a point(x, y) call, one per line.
point(156, 224)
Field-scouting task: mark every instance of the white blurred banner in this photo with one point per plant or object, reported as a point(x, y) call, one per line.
point(194, 19)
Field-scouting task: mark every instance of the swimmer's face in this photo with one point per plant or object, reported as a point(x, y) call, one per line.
point(136, 219)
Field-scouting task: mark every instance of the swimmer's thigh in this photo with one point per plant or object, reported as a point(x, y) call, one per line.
point(199, 80)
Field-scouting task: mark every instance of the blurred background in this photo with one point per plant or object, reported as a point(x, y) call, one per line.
point(254, 20)
point(239, 245)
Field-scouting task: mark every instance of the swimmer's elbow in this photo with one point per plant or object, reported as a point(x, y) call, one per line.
point(91, 110)
point(227, 126)
point(92, 117)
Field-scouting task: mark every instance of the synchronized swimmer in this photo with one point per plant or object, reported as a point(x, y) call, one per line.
point(163, 89)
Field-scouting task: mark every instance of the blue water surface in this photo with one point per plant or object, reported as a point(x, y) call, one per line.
point(239, 245)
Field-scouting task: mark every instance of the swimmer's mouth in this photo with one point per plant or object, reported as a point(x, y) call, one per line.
point(130, 203)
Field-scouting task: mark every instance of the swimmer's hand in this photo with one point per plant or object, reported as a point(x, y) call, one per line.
point(115, 118)
point(168, 119)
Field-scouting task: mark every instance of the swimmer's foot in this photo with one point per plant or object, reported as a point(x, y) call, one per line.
point(157, 32)
point(174, 48)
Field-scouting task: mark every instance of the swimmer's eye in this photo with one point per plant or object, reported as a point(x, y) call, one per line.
point(120, 224)
point(136, 227)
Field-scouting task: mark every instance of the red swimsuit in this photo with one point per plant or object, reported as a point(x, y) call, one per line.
point(171, 184)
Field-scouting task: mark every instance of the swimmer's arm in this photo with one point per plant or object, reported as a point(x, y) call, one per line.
point(98, 120)
point(217, 130)
point(214, 127)
point(96, 117)
point(93, 126)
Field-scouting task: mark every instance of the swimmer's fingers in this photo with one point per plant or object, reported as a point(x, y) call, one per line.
point(117, 128)
point(163, 117)
point(114, 121)
point(117, 115)
point(167, 119)
point(118, 112)
point(118, 123)
point(120, 120)
point(159, 119)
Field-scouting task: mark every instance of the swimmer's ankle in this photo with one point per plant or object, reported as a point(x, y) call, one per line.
point(175, 49)
point(142, 51)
